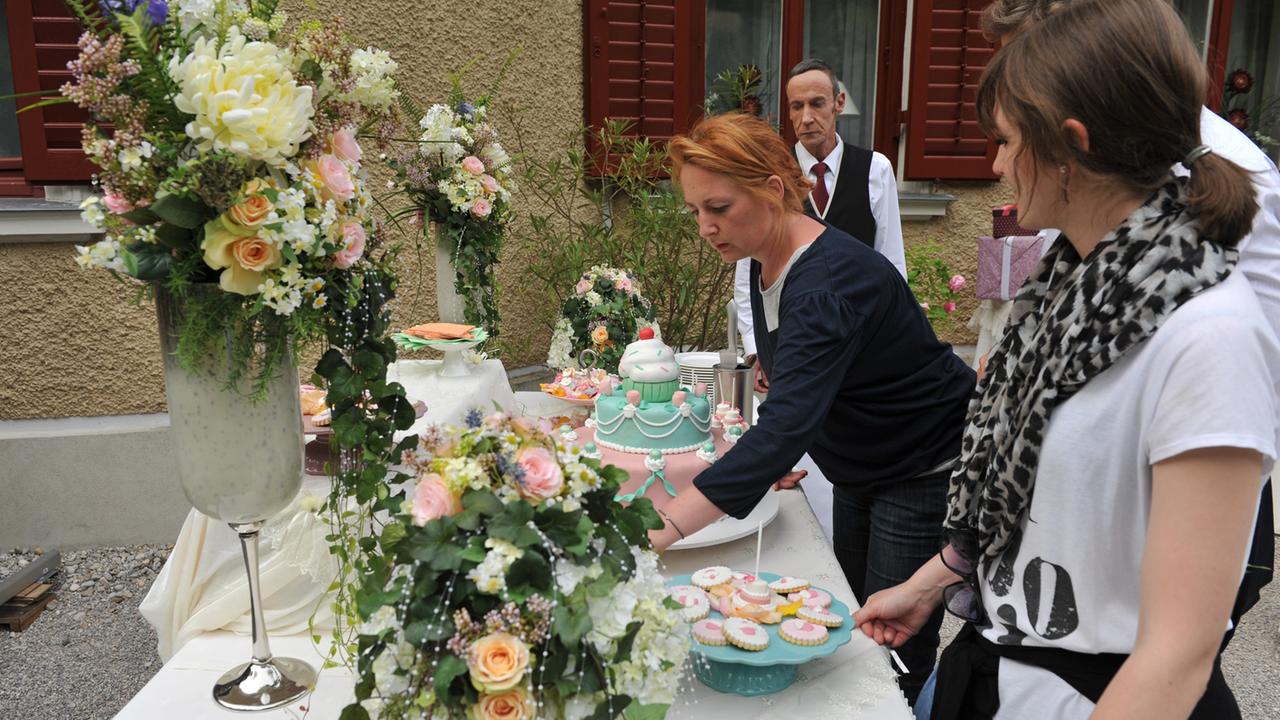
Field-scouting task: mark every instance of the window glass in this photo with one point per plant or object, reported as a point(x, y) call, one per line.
point(1251, 100)
point(744, 52)
point(844, 33)
point(1195, 13)
point(9, 145)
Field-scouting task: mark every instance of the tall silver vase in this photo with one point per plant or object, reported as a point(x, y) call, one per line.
point(240, 462)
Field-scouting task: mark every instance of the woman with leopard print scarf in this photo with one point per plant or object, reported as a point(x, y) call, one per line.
point(1115, 450)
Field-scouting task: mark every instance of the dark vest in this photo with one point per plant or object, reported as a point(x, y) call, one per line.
point(849, 208)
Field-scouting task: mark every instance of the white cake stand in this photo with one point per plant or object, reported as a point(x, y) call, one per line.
point(455, 365)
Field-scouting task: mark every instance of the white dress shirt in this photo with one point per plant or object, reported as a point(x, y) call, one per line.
point(883, 191)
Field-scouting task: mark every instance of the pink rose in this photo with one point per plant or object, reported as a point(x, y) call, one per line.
point(335, 180)
point(473, 165)
point(924, 306)
point(116, 204)
point(949, 307)
point(542, 475)
point(353, 239)
point(489, 183)
point(345, 146)
point(432, 499)
point(481, 208)
point(583, 287)
point(624, 284)
point(957, 283)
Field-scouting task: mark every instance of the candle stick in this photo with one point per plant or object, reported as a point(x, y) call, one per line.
point(759, 537)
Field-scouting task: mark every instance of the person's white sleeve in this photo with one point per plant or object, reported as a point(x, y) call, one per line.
point(1215, 385)
point(742, 297)
point(882, 190)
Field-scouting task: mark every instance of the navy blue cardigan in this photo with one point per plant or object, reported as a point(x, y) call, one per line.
point(857, 379)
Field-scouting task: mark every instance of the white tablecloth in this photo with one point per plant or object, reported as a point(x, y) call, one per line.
point(856, 683)
point(203, 586)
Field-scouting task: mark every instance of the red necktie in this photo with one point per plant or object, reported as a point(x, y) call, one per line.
point(820, 196)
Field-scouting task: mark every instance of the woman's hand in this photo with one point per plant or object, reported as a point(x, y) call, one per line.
point(791, 480)
point(894, 615)
point(761, 381)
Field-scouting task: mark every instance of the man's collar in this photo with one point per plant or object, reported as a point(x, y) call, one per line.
point(807, 160)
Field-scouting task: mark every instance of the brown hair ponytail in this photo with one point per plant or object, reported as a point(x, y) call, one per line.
point(1222, 196)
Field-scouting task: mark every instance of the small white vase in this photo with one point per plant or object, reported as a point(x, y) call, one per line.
point(449, 304)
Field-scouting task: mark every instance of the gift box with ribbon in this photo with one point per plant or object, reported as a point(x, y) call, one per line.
point(1004, 265)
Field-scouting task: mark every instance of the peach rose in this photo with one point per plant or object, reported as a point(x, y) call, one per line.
point(543, 477)
point(497, 662)
point(255, 254)
point(353, 238)
point(345, 146)
point(242, 260)
point(335, 180)
point(514, 704)
point(481, 208)
point(116, 204)
point(600, 335)
point(432, 499)
point(251, 212)
point(473, 165)
point(489, 183)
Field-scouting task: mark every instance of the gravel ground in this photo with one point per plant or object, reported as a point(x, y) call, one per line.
point(90, 651)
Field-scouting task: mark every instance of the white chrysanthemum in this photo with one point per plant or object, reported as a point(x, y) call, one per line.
point(495, 158)
point(103, 254)
point(244, 99)
point(441, 137)
point(561, 352)
point(194, 13)
point(593, 299)
point(373, 69)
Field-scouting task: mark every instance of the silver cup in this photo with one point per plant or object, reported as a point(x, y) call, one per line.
point(735, 385)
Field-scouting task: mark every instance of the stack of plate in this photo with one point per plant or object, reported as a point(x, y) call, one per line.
point(696, 367)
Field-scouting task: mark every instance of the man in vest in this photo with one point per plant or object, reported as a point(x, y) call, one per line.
point(854, 188)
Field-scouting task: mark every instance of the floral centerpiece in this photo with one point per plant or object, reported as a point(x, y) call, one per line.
point(514, 586)
point(603, 315)
point(457, 175)
point(233, 160)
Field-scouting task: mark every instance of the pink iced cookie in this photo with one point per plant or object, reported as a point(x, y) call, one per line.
point(802, 632)
point(812, 597)
point(742, 578)
point(787, 584)
point(746, 634)
point(709, 577)
point(709, 632)
point(820, 616)
point(695, 602)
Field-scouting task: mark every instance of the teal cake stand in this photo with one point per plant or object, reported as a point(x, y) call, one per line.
point(732, 670)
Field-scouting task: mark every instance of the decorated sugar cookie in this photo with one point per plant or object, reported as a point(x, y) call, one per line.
point(742, 578)
point(756, 592)
point(709, 632)
point(820, 616)
point(709, 577)
point(802, 632)
point(746, 634)
point(784, 585)
point(812, 597)
point(695, 602)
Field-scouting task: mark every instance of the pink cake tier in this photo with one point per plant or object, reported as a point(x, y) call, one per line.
point(681, 468)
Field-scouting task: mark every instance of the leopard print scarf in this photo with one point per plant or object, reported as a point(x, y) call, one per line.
point(1071, 321)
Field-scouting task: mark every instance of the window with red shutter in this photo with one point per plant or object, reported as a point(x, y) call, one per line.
point(948, 54)
point(644, 64)
point(42, 39)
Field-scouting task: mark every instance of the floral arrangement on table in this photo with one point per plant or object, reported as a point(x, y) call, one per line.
point(1252, 120)
point(514, 586)
point(233, 160)
point(603, 315)
point(933, 284)
point(457, 175)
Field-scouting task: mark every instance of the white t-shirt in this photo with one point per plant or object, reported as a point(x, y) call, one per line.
point(1208, 377)
point(771, 297)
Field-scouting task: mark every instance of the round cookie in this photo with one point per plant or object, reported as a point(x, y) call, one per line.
point(709, 577)
point(756, 592)
point(820, 616)
point(784, 585)
point(802, 632)
point(742, 578)
point(709, 632)
point(746, 634)
point(812, 597)
point(695, 602)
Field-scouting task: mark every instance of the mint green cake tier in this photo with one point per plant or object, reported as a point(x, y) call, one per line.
point(655, 426)
point(650, 391)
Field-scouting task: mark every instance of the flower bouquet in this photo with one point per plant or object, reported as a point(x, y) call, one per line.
point(602, 316)
point(514, 586)
point(233, 160)
point(457, 175)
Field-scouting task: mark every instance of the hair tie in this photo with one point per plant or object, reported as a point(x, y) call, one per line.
point(1199, 152)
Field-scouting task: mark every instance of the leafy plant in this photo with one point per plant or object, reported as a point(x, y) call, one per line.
point(612, 205)
point(933, 283)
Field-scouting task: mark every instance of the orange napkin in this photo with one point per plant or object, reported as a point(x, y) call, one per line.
point(441, 331)
point(312, 399)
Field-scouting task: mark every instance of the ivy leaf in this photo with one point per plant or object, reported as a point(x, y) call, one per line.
point(451, 666)
point(174, 237)
point(485, 503)
point(570, 626)
point(349, 428)
point(391, 534)
point(369, 364)
point(627, 641)
point(636, 711)
point(530, 569)
point(146, 261)
point(354, 711)
point(181, 211)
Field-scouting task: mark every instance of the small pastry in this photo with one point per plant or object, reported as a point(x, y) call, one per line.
point(802, 632)
point(710, 632)
point(695, 602)
point(784, 585)
point(709, 577)
point(322, 418)
point(812, 597)
point(746, 634)
point(742, 578)
point(821, 616)
point(756, 592)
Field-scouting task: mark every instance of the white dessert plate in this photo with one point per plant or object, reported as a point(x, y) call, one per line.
point(728, 529)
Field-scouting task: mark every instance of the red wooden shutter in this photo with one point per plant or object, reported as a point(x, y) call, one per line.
point(1219, 43)
point(644, 62)
point(42, 40)
point(948, 54)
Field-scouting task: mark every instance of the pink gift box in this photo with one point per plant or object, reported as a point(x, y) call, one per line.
point(1004, 265)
